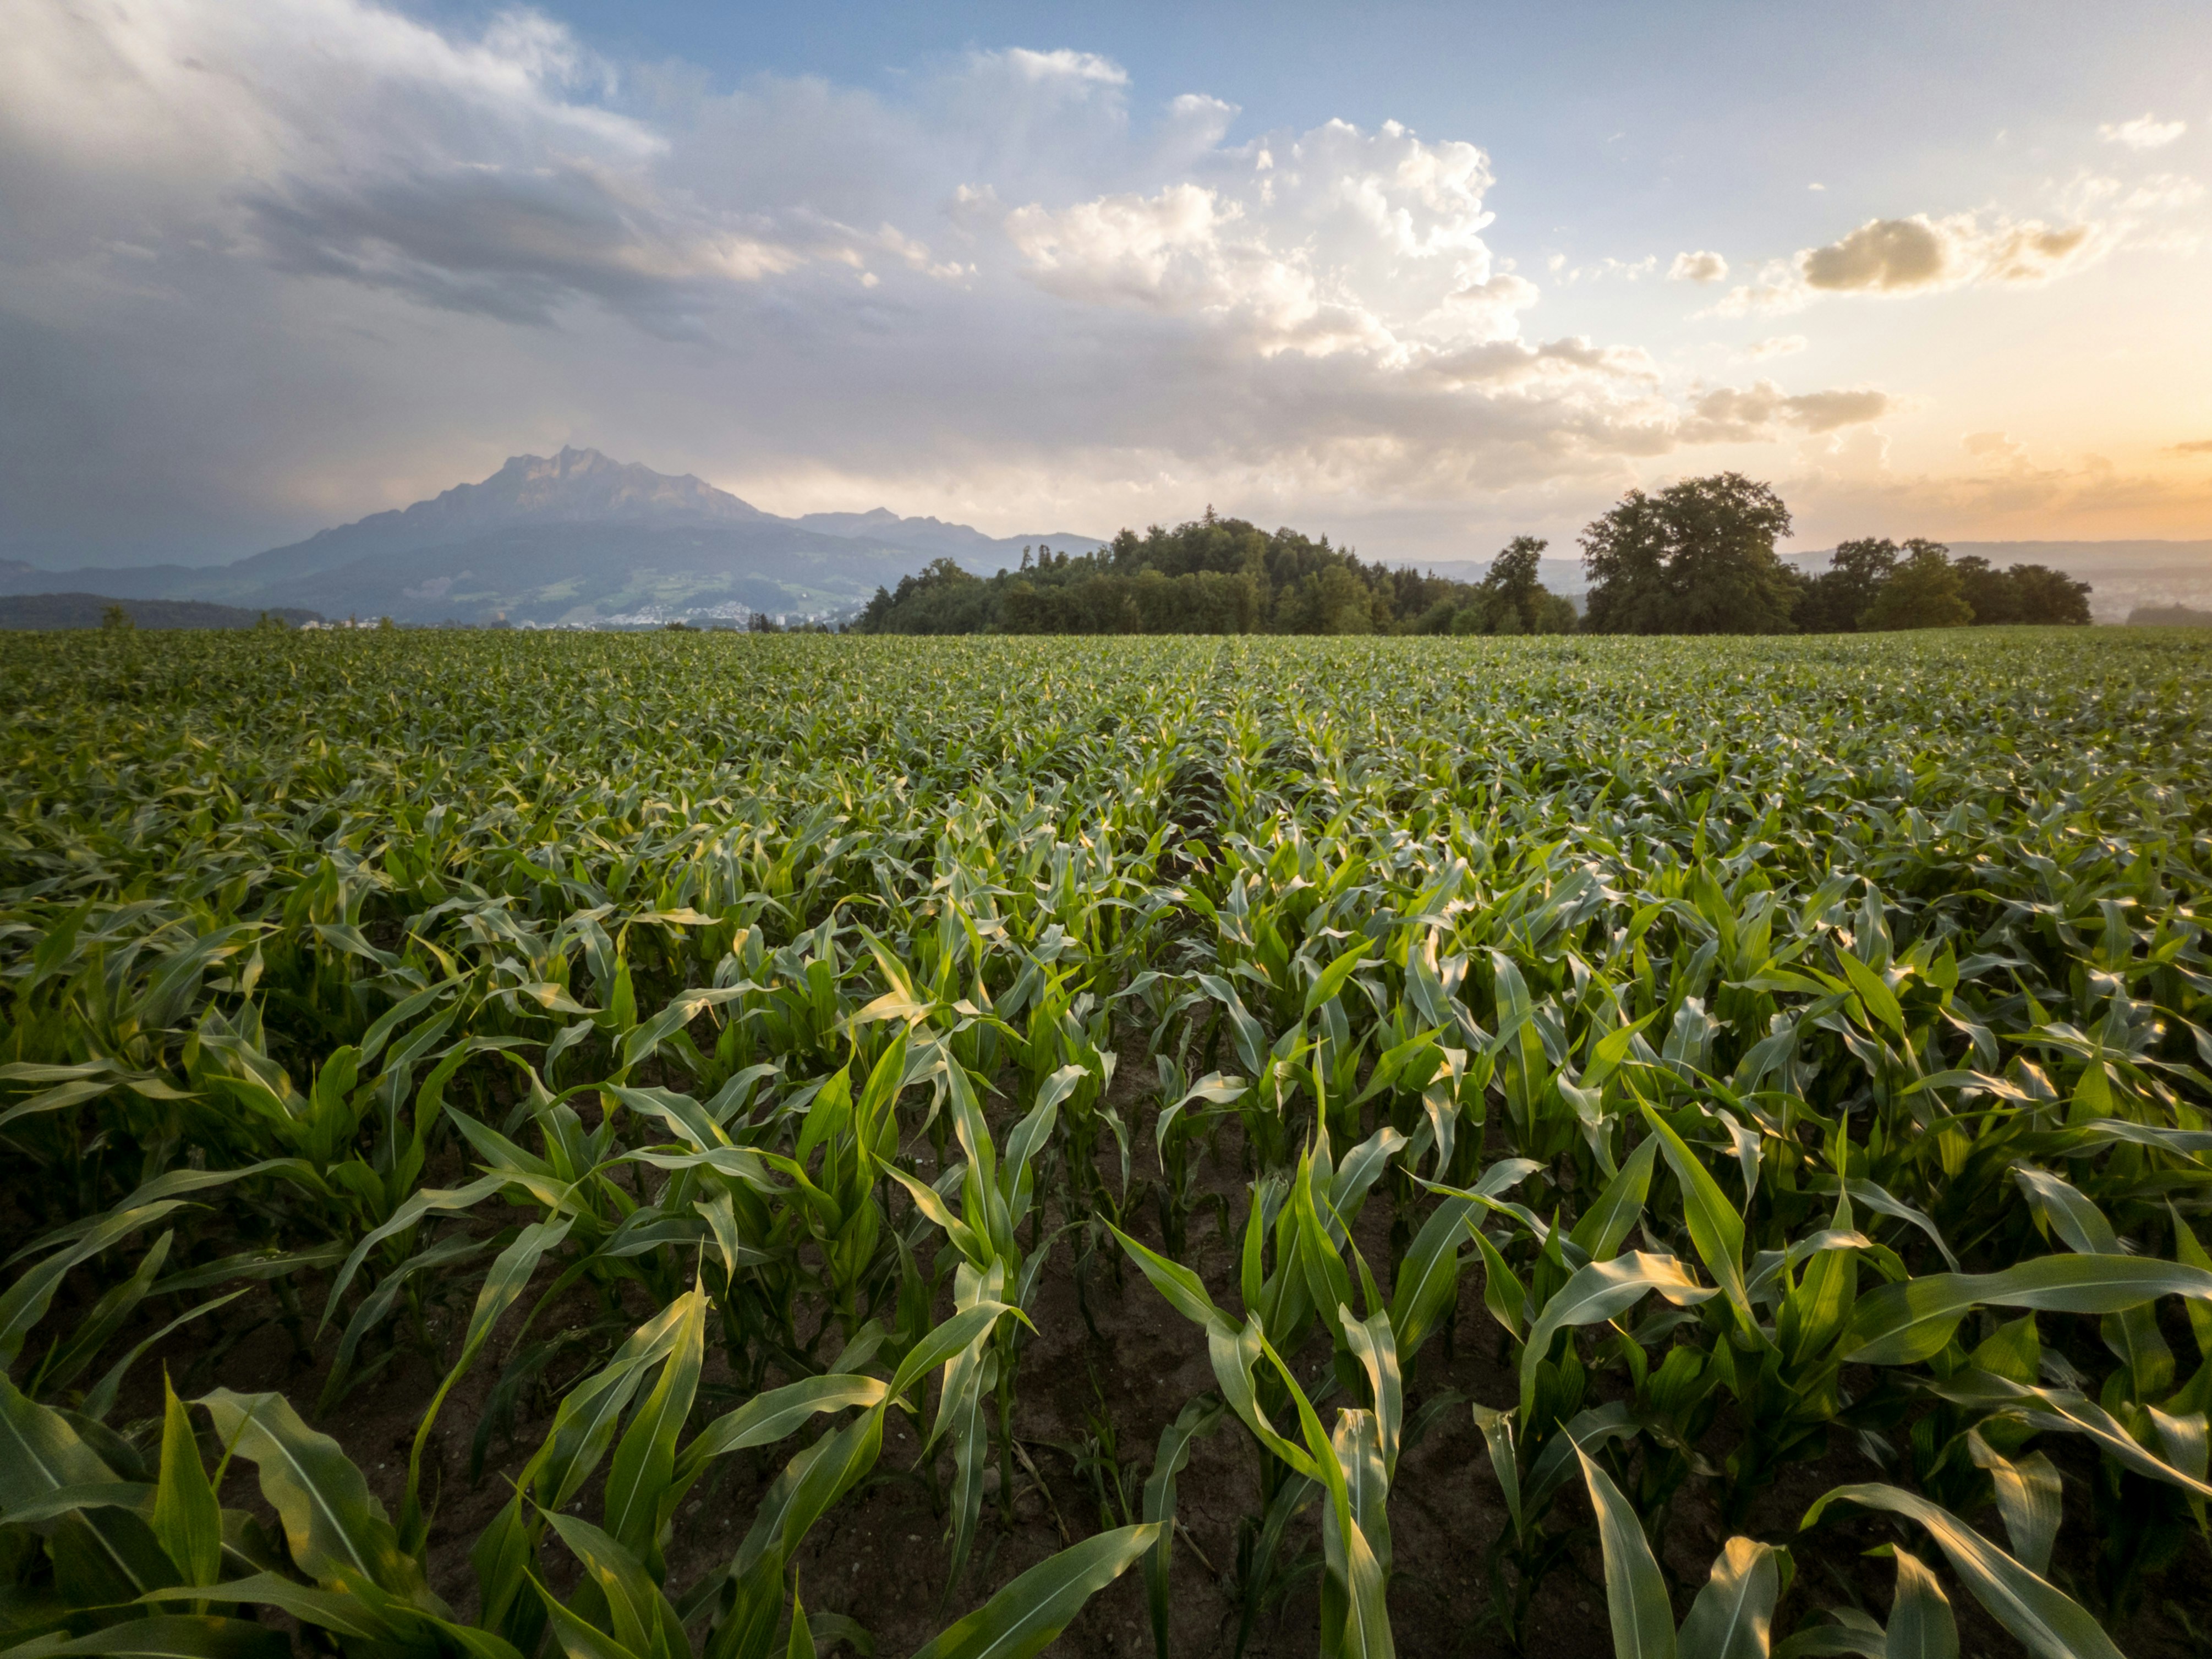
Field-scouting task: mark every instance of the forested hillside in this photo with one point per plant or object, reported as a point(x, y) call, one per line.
point(1218, 576)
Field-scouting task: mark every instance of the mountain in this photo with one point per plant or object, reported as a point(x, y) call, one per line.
point(575, 539)
point(938, 540)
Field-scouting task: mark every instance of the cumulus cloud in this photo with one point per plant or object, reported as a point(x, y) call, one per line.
point(1779, 345)
point(259, 254)
point(1700, 267)
point(1925, 254)
point(2144, 132)
point(1893, 256)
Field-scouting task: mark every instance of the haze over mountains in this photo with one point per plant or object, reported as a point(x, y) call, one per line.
point(578, 539)
point(574, 539)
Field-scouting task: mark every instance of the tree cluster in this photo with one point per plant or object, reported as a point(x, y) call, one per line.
point(1696, 557)
point(1871, 586)
point(1216, 576)
point(1699, 557)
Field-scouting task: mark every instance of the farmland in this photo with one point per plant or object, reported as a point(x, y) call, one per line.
point(626, 1147)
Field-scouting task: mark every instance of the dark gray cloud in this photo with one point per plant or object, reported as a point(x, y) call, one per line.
point(270, 266)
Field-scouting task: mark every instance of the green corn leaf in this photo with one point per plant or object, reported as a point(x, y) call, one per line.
point(43, 1458)
point(643, 1620)
point(1198, 1418)
point(2028, 1501)
point(1901, 1324)
point(1331, 979)
point(2190, 1251)
point(331, 1523)
point(1852, 1632)
point(579, 1637)
point(1880, 1001)
point(932, 1204)
point(1376, 1349)
point(2065, 1209)
point(24, 1302)
point(1734, 1613)
point(1715, 1228)
point(1921, 1625)
point(134, 1495)
point(1497, 1431)
point(644, 1463)
point(342, 1612)
point(2064, 1409)
point(1184, 1290)
point(1597, 1292)
point(429, 1200)
point(1503, 1292)
point(101, 1399)
point(92, 1334)
point(164, 1636)
point(510, 1275)
point(962, 1331)
point(187, 1519)
point(1606, 1222)
point(2045, 1619)
point(1235, 1350)
point(776, 1415)
point(1028, 1616)
point(1635, 1591)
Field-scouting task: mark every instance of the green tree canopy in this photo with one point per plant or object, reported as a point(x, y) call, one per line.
point(1876, 584)
point(1922, 591)
point(1211, 575)
point(1697, 558)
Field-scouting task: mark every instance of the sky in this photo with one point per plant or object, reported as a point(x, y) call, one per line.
point(1419, 277)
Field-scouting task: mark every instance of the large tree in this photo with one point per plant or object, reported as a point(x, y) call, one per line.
point(1697, 558)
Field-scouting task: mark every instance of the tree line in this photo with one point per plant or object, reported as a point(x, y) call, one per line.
point(1216, 575)
point(1698, 557)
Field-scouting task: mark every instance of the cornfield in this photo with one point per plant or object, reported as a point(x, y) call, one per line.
point(637, 1146)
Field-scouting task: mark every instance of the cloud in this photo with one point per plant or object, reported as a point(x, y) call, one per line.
point(1994, 448)
point(2144, 132)
point(263, 260)
point(1780, 345)
point(2194, 447)
point(1923, 254)
point(1698, 268)
point(1893, 256)
point(1728, 415)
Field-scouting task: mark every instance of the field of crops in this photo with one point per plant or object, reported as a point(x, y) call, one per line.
point(631, 1147)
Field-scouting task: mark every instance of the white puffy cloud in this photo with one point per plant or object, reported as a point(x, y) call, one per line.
point(1699, 267)
point(2143, 132)
point(260, 255)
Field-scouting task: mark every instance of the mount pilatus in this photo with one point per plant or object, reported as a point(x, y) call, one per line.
point(573, 539)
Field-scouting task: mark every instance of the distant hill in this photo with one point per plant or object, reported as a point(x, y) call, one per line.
point(575, 539)
point(54, 610)
point(938, 540)
point(2168, 616)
